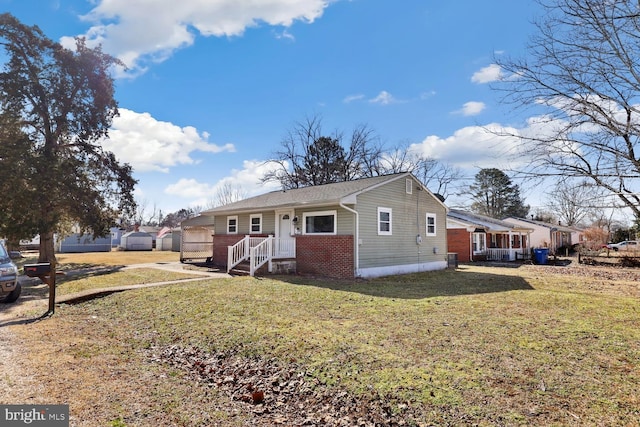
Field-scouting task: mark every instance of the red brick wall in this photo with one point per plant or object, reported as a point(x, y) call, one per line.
point(328, 256)
point(220, 244)
point(458, 240)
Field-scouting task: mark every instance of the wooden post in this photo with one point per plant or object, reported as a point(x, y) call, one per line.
point(52, 288)
point(47, 274)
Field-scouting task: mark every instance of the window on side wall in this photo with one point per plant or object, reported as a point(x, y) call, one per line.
point(324, 222)
point(431, 224)
point(255, 221)
point(384, 222)
point(232, 224)
point(479, 243)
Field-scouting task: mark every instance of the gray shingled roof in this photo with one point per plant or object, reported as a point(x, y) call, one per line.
point(555, 227)
point(481, 221)
point(318, 195)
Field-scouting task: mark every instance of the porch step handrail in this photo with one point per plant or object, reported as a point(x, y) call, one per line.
point(237, 253)
point(241, 250)
point(261, 254)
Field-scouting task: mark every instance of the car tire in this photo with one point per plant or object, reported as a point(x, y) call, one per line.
point(615, 249)
point(13, 295)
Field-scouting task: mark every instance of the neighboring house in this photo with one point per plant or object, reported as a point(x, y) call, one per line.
point(85, 242)
point(364, 228)
point(481, 238)
point(577, 236)
point(545, 235)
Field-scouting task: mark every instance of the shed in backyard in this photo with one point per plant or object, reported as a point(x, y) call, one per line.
point(136, 241)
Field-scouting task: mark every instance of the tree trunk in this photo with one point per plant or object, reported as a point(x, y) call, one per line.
point(47, 253)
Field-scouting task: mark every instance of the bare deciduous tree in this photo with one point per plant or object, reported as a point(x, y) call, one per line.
point(582, 71)
point(309, 157)
point(227, 193)
point(145, 216)
point(306, 149)
point(572, 203)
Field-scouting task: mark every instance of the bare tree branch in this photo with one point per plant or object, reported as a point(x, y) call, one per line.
point(583, 75)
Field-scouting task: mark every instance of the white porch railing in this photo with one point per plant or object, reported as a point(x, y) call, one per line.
point(259, 250)
point(500, 254)
point(284, 248)
point(261, 254)
point(237, 253)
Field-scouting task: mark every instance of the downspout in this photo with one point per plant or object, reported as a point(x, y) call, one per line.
point(356, 237)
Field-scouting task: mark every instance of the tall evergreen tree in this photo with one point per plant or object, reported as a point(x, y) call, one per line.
point(323, 163)
point(496, 196)
point(55, 107)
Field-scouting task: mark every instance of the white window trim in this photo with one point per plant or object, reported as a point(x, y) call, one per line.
point(382, 232)
point(481, 240)
point(320, 213)
point(229, 219)
point(408, 186)
point(251, 218)
point(435, 223)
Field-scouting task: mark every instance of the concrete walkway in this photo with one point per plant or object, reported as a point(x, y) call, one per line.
point(168, 266)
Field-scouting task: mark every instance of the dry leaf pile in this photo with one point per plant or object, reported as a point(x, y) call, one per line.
point(283, 395)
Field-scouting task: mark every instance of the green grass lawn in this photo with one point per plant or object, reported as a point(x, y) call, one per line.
point(477, 345)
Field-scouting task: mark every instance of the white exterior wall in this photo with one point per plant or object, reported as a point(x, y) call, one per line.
point(540, 237)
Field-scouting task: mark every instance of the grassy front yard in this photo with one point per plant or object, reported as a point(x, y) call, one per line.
point(480, 345)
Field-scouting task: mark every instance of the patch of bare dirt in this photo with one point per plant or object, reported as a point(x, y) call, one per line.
point(17, 385)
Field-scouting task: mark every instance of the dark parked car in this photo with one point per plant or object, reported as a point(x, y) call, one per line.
point(10, 287)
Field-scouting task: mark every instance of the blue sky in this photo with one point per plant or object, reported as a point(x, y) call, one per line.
point(214, 85)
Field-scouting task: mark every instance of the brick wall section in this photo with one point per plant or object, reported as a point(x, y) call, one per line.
point(328, 256)
point(458, 241)
point(220, 244)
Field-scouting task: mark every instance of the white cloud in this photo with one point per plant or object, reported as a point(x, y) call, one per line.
point(151, 145)
point(472, 108)
point(248, 179)
point(138, 31)
point(427, 95)
point(383, 98)
point(487, 74)
point(352, 98)
point(285, 35)
point(471, 147)
point(189, 188)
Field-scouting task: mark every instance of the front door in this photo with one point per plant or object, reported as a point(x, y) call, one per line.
point(284, 247)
